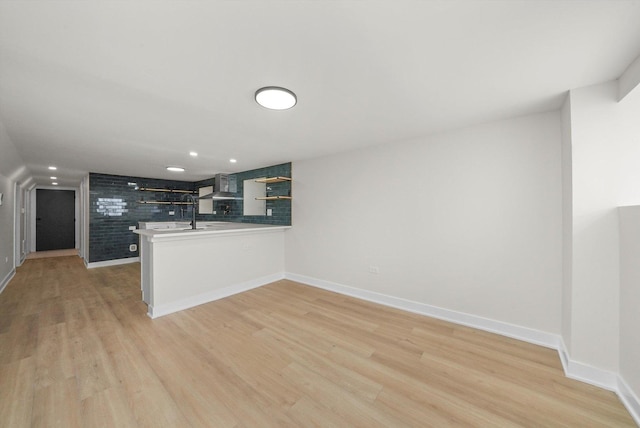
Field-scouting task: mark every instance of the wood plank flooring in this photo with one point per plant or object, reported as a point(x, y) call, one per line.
point(77, 350)
point(52, 253)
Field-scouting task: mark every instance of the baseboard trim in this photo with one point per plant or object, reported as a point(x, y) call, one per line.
point(586, 373)
point(115, 262)
point(629, 399)
point(537, 337)
point(8, 277)
point(210, 296)
point(572, 369)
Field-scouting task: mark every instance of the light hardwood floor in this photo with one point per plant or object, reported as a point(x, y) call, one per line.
point(77, 350)
point(52, 253)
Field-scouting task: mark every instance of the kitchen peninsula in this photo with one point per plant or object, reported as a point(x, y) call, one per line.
point(181, 269)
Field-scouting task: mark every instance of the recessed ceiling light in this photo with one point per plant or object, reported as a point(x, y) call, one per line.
point(54, 183)
point(275, 98)
point(53, 178)
point(194, 154)
point(233, 160)
point(175, 169)
point(53, 168)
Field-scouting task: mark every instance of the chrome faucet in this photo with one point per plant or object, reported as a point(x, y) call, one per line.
point(193, 208)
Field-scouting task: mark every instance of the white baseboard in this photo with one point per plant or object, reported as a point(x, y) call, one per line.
point(8, 277)
point(629, 399)
point(210, 296)
point(585, 373)
point(111, 262)
point(537, 337)
point(572, 369)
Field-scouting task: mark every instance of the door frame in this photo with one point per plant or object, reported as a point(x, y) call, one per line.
point(32, 214)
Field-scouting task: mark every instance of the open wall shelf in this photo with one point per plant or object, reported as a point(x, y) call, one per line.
point(269, 180)
point(166, 202)
point(150, 189)
point(272, 198)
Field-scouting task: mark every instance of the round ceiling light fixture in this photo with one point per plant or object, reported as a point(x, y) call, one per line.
point(275, 98)
point(175, 169)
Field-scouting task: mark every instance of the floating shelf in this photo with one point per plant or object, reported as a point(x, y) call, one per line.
point(150, 189)
point(272, 198)
point(273, 180)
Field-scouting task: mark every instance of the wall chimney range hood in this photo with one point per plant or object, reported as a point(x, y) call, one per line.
point(223, 188)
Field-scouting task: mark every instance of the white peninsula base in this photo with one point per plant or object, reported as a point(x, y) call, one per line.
point(185, 268)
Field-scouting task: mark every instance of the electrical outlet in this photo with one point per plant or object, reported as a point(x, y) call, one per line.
point(269, 211)
point(374, 269)
point(133, 247)
point(6, 259)
point(172, 213)
point(214, 212)
point(132, 228)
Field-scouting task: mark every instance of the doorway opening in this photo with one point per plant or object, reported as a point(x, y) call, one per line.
point(55, 220)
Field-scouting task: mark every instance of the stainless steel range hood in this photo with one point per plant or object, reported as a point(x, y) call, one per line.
point(223, 188)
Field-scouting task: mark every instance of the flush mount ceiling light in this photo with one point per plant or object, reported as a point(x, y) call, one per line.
point(275, 98)
point(54, 183)
point(193, 154)
point(233, 160)
point(53, 178)
point(175, 169)
point(53, 168)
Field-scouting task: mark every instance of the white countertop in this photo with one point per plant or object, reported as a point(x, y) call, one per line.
point(206, 229)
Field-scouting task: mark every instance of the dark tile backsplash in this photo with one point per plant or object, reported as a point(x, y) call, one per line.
point(281, 209)
point(114, 206)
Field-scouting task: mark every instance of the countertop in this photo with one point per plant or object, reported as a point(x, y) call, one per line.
point(206, 229)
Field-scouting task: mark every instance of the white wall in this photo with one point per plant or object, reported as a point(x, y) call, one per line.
point(11, 166)
point(6, 230)
point(567, 222)
point(630, 296)
point(606, 174)
point(468, 220)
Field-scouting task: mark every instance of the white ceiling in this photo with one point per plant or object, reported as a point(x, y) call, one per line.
point(130, 87)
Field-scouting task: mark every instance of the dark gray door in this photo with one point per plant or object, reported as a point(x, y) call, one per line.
point(55, 219)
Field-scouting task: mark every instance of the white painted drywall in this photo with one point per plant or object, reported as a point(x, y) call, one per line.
point(11, 169)
point(630, 296)
point(468, 220)
point(7, 253)
point(193, 265)
point(567, 221)
point(605, 175)
point(629, 80)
